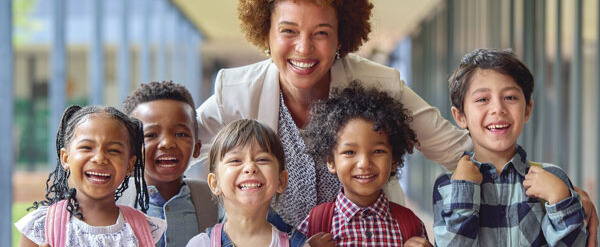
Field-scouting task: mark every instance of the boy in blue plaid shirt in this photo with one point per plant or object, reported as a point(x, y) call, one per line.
point(499, 198)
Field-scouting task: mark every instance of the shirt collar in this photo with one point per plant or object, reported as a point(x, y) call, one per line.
point(157, 199)
point(518, 161)
point(349, 209)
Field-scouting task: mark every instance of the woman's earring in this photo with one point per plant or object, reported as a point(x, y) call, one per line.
point(337, 54)
point(268, 52)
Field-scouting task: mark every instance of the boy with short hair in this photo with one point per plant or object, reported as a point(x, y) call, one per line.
point(168, 113)
point(500, 198)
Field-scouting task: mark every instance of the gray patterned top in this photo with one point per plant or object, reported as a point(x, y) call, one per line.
point(309, 183)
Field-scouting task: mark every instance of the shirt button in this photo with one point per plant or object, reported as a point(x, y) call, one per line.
point(368, 234)
point(151, 190)
point(167, 240)
point(166, 208)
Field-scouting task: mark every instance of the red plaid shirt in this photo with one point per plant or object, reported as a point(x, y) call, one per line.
point(356, 226)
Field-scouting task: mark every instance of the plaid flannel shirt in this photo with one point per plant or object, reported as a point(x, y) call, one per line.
point(498, 213)
point(369, 226)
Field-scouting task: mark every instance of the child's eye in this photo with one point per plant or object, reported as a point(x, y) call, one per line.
point(263, 160)
point(150, 135)
point(181, 134)
point(380, 151)
point(114, 151)
point(233, 161)
point(84, 148)
point(322, 33)
point(348, 152)
point(511, 97)
point(481, 100)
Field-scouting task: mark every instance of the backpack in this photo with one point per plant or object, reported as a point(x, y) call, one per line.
point(207, 212)
point(321, 219)
point(58, 217)
point(215, 237)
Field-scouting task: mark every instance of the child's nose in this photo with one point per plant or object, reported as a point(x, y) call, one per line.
point(99, 158)
point(250, 168)
point(166, 143)
point(498, 108)
point(364, 162)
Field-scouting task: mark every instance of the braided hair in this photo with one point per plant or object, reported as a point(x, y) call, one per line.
point(57, 186)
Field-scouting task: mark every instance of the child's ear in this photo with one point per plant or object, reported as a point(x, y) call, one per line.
point(213, 184)
point(459, 118)
point(395, 165)
point(283, 179)
point(331, 165)
point(197, 147)
point(131, 165)
point(64, 159)
point(528, 110)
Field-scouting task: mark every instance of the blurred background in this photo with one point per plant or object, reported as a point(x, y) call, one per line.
point(54, 53)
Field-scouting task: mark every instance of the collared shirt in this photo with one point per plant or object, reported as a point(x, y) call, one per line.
point(180, 214)
point(309, 183)
point(369, 226)
point(499, 213)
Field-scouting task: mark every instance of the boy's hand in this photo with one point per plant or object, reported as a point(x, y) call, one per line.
point(542, 184)
point(417, 242)
point(466, 170)
point(321, 239)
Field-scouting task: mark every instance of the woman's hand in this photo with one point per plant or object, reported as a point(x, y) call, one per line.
point(591, 217)
point(321, 239)
point(417, 242)
point(466, 170)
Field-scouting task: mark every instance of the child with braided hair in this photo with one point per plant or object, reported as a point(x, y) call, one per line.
point(98, 149)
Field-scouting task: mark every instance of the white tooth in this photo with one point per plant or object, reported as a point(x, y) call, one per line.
point(302, 64)
point(98, 174)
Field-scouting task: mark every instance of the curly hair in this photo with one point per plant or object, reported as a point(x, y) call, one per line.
point(502, 61)
point(158, 91)
point(353, 18)
point(59, 189)
point(388, 115)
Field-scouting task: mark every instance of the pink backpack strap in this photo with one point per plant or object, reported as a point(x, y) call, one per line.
point(215, 235)
point(284, 239)
point(139, 224)
point(56, 224)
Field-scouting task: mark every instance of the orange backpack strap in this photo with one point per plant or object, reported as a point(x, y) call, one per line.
point(57, 219)
point(410, 225)
point(320, 218)
point(139, 224)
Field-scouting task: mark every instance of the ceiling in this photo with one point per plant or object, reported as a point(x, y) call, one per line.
point(392, 20)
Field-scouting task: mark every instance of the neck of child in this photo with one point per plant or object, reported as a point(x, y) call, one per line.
point(496, 158)
point(98, 212)
point(248, 225)
point(167, 189)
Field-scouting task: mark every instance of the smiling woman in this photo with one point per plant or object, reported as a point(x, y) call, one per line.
point(309, 43)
